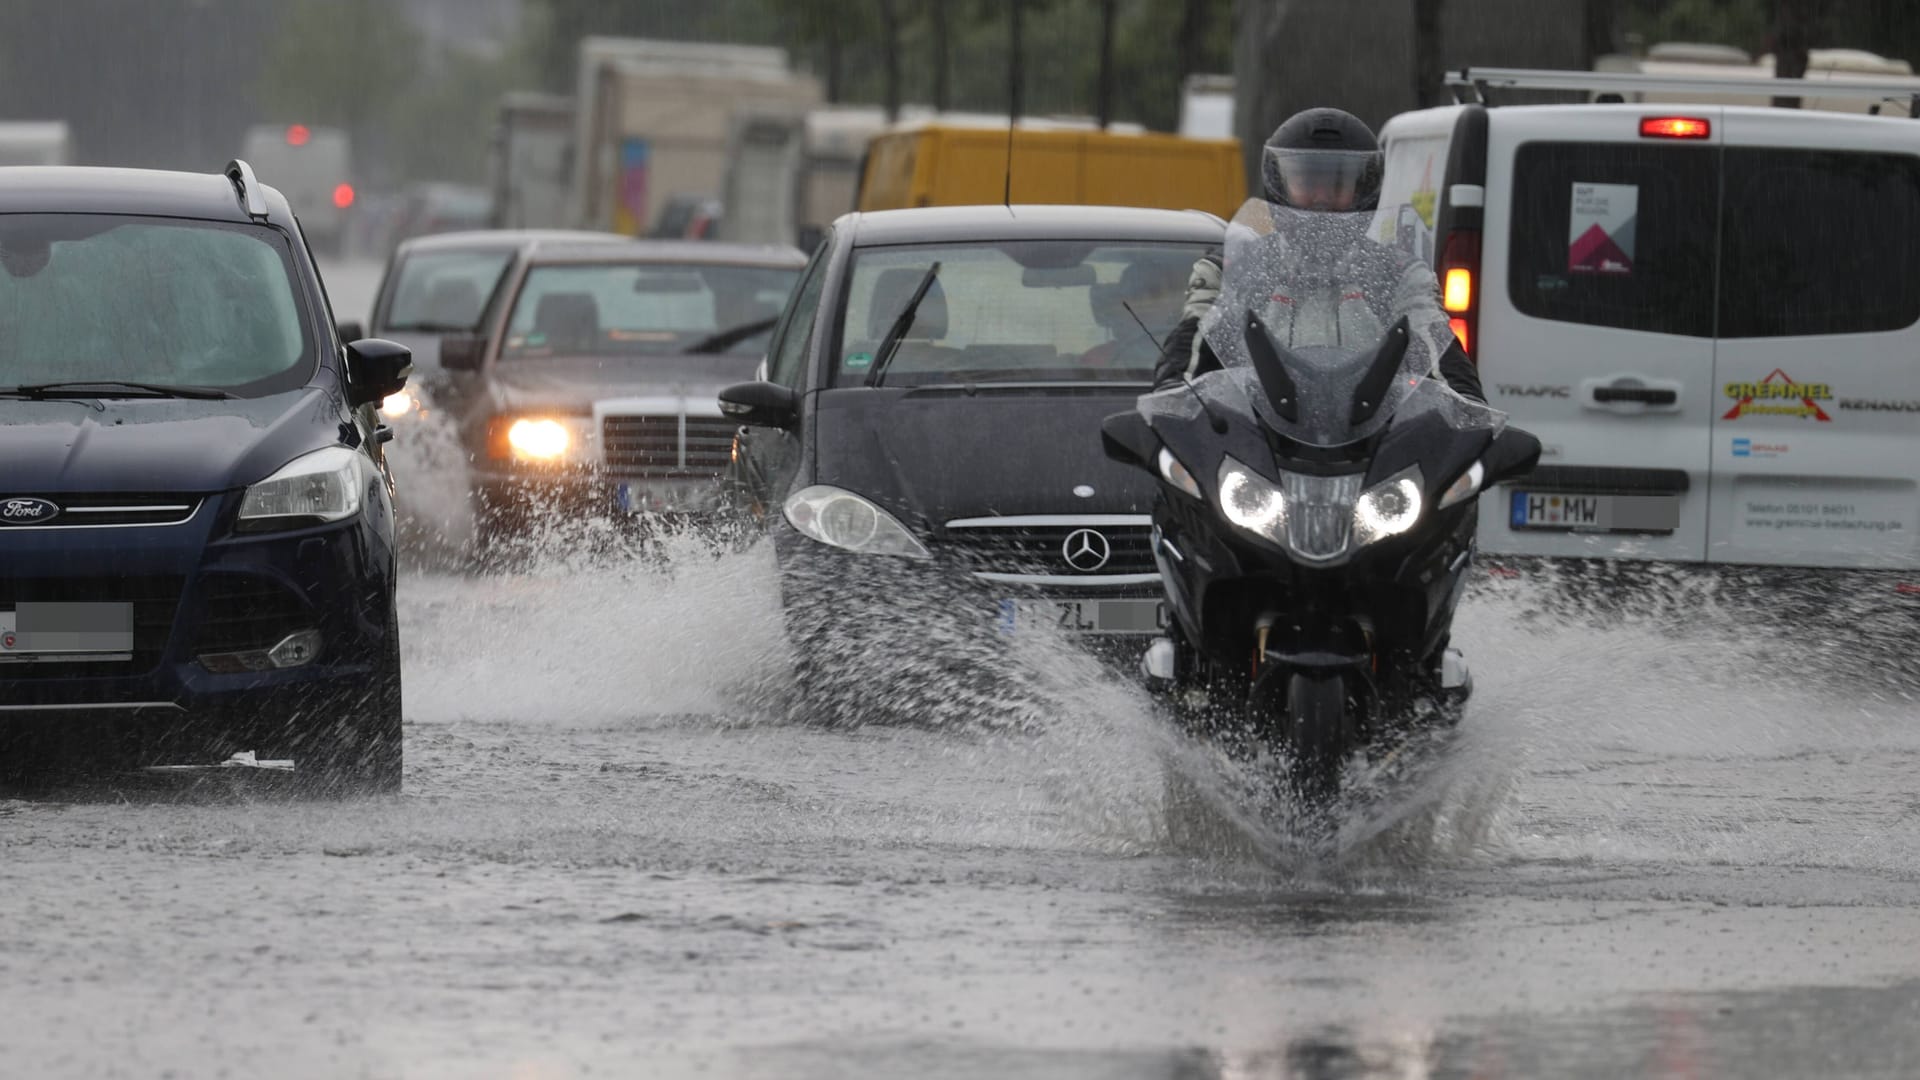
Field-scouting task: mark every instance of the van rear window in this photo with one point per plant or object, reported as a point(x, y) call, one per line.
point(1819, 242)
point(1632, 247)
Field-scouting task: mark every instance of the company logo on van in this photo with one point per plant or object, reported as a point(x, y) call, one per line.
point(1778, 395)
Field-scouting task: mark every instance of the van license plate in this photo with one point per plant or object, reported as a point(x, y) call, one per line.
point(59, 631)
point(1566, 512)
point(1089, 616)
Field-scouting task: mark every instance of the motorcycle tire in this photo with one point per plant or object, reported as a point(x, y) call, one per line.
point(1318, 735)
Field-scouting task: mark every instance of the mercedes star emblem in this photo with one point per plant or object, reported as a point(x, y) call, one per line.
point(1086, 550)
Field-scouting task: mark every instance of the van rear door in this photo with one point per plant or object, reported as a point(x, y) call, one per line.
point(1596, 329)
point(1817, 420)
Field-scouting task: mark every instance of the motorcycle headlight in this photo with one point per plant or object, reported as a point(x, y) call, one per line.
point(1250, 501)
point(1464, 488)
point(542, 440)
point(1176, 474)
point(1389, 507)
point(842, 519)
point(312, 489)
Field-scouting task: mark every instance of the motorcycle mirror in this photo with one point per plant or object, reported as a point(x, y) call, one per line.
point(1128, 439)
point(1513, 455)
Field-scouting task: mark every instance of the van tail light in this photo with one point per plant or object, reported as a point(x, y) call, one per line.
point(1460, 286)
point(1675, 127)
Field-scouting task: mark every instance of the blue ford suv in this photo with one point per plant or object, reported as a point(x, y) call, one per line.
point(196, 518)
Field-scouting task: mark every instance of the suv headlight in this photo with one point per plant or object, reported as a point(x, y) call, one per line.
point(842, 519)
point(312, 489)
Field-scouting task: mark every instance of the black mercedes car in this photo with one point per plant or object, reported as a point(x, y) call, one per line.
point(924, 442)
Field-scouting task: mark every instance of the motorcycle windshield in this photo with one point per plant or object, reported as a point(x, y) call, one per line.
point(1337, 330)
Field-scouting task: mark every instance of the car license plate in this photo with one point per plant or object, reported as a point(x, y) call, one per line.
point(1083, 616)
point(1556, 510)
point(35, 631)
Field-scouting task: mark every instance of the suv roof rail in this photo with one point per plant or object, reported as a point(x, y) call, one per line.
point(1480, 80)
point(246, 187)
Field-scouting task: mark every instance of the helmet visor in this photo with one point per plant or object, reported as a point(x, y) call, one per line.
point(1325, 179)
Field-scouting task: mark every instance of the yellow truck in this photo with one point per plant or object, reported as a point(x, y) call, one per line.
point(946, 164)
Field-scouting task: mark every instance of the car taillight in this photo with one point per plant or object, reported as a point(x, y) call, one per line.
point(343, 196)
point(1675, 127)
point(1459, 267)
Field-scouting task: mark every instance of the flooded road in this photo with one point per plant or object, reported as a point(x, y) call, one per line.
point(622, 850)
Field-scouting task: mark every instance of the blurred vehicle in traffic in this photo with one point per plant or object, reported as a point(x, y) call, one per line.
point(592, 380)
point(531, 161)
point(438, 285)
point(1699, 66)
point(196, 522)
point(35, 142)
point(653, 118)
point(688, 217)
point(791, 173)
point(437, 207)
point(1705, 312)
point(958, 161)
point(926, 432)
point(313, 166)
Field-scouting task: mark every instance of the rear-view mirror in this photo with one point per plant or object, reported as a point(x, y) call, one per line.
point(761, 404)
point(376, 369)
point(1128, 439)
point(462, 352)
point(1513, 455)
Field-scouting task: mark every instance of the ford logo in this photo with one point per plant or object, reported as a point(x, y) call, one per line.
point(27, 511)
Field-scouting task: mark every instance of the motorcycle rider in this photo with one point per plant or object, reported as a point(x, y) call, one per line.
point(1321, 172)
point(1322, 169)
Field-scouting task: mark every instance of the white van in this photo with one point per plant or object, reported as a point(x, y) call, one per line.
point(1710, 315)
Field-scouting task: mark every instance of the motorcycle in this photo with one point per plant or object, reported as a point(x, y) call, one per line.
point(1316, 512)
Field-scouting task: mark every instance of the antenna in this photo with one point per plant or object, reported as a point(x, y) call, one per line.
point(1013, 93)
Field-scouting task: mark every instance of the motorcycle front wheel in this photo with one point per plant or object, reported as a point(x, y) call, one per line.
point(1318, 736)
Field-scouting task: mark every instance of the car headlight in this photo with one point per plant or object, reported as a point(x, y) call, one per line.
point(1464, 488)
point(312, 489)
point(542, 440)
point(844, 520)
point(395, 406)
point(1176, 474)
point(1250, 501)
point(1389, 507)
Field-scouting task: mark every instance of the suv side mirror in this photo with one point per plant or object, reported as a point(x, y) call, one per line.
point(376, 369)
point(1512, 455)
point(761, 404)
point(462, 352)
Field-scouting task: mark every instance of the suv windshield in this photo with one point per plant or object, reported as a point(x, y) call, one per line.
point(646, 309)
point(444, 291)
point(1018, 311)
point(166, 302)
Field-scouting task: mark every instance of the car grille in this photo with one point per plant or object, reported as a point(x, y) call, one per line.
point(666, 445)
point(154, 601)
point(99, 511)
point(242, 612)
point(1035, 549)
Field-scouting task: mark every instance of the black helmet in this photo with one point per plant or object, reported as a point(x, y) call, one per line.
point(1322, 159)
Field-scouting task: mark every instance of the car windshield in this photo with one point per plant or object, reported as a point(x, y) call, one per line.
point(1029, 311)
point(171, 302)
point(444, 291)
point(646, 309)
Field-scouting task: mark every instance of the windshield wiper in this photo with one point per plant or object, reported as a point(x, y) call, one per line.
point(898, 330)
point(111, 388)
point(727, 339)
